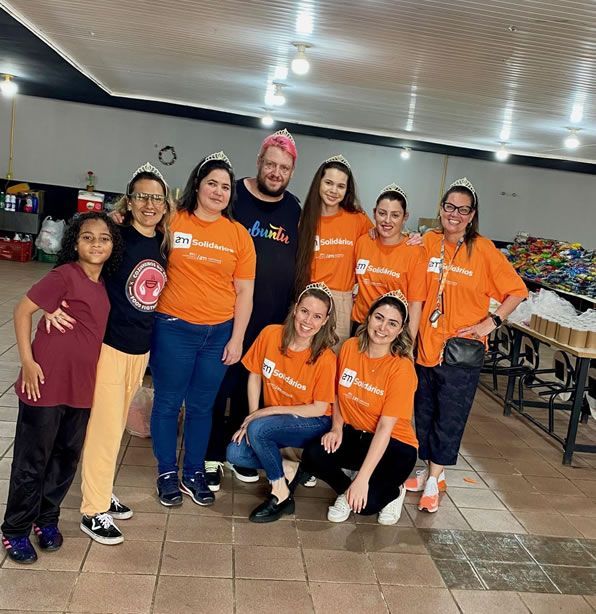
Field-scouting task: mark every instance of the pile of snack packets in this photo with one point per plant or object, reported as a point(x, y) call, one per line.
point(559, 265)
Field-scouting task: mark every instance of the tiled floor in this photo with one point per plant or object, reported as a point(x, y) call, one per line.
point(516, 532)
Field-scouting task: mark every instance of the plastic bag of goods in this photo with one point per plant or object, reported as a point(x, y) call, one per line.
point(50, 236)
point(139, 414)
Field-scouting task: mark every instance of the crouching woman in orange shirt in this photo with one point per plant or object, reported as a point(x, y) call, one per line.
point(372, 434)
point(295, 367)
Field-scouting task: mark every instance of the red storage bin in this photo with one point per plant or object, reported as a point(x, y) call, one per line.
point(19, 251)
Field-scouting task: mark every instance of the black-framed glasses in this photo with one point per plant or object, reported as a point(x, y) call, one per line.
point(450, 208)
point(156, 199)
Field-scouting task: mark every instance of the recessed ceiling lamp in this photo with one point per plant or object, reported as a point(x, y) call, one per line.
point(300, 64)
point(571, 142)
point(501, 154)
point(8, 87)
point(405, 153)
point(274, 95)
point(267, 120)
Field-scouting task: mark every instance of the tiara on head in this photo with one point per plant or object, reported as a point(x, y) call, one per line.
point(220, 155)
point(285, 134)
point(340, 160)
point(464, 182)
point(146, 168)
point(397, 294)
point(392, 187)
point(319, 285)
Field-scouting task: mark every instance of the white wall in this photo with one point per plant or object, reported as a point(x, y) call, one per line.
point(57, 142)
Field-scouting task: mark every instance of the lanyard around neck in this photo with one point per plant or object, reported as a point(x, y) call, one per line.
point(443, 272)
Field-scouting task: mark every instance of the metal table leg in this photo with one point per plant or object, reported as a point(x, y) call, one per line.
point(517, 338)
point(580, 383)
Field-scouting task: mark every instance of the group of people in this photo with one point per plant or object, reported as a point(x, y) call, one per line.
point(242, 304)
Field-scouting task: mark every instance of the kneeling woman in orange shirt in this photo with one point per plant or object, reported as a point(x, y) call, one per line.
point(372, 433)
point(294, 366)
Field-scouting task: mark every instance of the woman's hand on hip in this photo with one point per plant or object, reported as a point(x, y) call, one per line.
point(59, 319)
point(357, 495)
point(232, 352)
point(478, 331)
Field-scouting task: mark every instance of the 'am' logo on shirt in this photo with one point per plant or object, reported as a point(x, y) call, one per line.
point(268, 366)
point(361, 266)
point(317, 243)
point(347, 378)
point(434, 265)
point(182, 239)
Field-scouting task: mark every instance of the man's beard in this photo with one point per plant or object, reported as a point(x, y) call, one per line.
point(268, 192)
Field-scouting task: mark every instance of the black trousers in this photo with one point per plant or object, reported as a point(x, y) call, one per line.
point(47, 448)
point(391, 472)
point(442, 404)
point(224, 426)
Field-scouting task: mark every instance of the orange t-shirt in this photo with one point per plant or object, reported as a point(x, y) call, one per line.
point(204, 260)
point(290, 380)
point(471, 283)
point(335, 245)
point(382, 268)
point(369, 388)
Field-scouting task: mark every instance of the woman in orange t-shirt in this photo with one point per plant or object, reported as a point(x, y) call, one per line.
point(464, 272)
point(295, 368)
point(200, 322)
point(332, 221)
point(372, 434)
point(387, 262)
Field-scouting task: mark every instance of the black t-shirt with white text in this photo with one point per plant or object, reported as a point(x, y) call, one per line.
point(133, 291)
point(273, 227)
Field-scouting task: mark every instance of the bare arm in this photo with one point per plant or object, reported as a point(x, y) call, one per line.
point(242, 309)
point(415, 310)
point(254, 391)
point(332, 440)
point(312, 410)
point(32, 373)
point(486, 326)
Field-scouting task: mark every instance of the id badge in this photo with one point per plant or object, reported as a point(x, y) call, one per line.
point(434, 316)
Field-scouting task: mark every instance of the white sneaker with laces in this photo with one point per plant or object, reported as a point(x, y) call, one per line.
point(391, 513)
point(340, 510)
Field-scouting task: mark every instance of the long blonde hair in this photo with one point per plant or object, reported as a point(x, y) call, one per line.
point(325, 338)
point(164, 224)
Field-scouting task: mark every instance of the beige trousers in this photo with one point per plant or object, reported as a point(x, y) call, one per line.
point(119, 376)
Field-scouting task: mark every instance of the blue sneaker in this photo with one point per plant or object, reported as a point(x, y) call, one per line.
point(20, 550)
point(167, 489)
point(197, 488)
point(50, 537)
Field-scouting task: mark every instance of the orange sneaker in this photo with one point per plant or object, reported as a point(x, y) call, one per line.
point(417, 483)
point(429, 503)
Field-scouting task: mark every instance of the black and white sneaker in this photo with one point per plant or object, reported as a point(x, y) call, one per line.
point(119, 510)
point(102, 529)
point(244, 474)
point(214, 471)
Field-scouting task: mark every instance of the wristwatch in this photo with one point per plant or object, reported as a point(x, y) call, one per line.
point(496, 319)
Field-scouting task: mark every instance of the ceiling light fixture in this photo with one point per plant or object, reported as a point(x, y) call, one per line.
point(405, 153)
point(502, 154)
point(267, 120)
point(304, 21)
point(571, 142)
point(274, 95)
point(577, 113)
point(300, 63)
point(8, 87)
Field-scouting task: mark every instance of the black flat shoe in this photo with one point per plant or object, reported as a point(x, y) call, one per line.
point(270, 510)
point(301, 477)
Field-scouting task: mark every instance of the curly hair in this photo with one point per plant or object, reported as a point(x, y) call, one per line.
point(68, 252)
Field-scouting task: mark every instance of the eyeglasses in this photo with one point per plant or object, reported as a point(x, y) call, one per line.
point(284, 169)
point(156, 199)
point(450, 208)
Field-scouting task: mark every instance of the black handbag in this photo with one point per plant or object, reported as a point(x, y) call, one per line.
point(464, 352)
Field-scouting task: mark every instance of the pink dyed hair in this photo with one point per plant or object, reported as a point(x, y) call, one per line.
point(283, 142)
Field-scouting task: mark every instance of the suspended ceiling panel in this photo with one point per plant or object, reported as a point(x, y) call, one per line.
point(472, 73)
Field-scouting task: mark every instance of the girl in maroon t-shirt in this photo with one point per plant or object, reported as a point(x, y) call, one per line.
point(55, 386)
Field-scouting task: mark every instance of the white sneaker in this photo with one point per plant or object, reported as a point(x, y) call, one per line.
point(391, 513)
point(311, 482)
point(340, 510)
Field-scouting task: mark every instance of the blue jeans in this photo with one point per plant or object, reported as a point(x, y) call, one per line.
point(186, 366)
point(268, 435)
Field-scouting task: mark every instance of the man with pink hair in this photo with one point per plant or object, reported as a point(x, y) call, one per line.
point(270, 213)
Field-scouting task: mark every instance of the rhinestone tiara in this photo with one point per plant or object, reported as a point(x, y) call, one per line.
point(397, 294)
point(392, 187)
point(147, 168)
point(285, 134)
point(220, 155)
point(319, 285)
point(464, 182)
point(339, 159)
